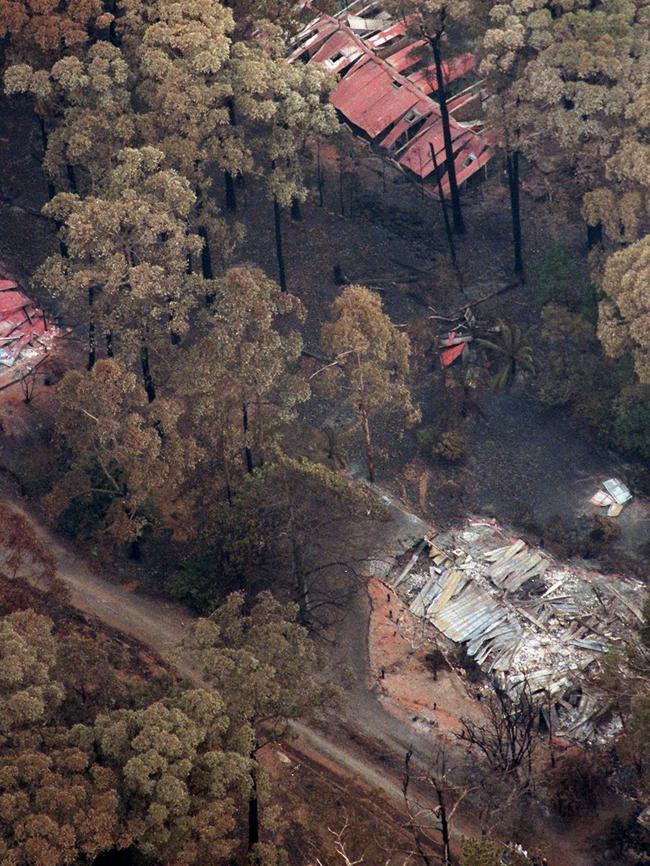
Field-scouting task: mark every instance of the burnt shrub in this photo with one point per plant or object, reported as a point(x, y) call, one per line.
point(577, 782)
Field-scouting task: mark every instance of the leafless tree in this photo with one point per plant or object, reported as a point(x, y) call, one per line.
point(449, 796)
point(508, 736)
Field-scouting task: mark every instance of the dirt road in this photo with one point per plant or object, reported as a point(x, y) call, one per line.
point(368, 744)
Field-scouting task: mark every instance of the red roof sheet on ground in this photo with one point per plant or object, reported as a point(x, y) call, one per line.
point(12, 301)
point(448, 356)
point(7, 284)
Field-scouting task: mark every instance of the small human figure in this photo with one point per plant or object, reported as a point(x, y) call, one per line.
point(390, 614)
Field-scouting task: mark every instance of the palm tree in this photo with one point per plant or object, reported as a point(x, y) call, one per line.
point(514, 354)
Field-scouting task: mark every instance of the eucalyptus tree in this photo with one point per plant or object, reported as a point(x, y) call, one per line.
point(241, 378)
point(371, 362)
point(126, 262)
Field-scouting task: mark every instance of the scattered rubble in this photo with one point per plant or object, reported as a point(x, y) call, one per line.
point(524, 617)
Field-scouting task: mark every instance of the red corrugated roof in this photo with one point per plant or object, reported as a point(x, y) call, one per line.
point(456, 68)
point(372, 99)
point(379, 39)
point(313, 36)
point(339, 42)
point(374, 95)
point(11, 301)
point(425, 107)
point(417, 156)
point(8, 284)
point(406, 56)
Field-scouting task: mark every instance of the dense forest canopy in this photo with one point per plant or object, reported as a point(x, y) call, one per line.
point(210, 426)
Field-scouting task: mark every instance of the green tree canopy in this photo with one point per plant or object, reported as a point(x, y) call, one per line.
point(372, 361)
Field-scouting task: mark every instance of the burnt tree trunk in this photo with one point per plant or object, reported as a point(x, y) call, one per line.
point(443, 205)
point(231, 195)
point(512, 165)
point(206, 256)
point(253, 818)
point(279, 250)
point(92, 353)
point(147, 378)
point(457, 214)
point(367, 442)
point(247, 450)
point(444, 823)
point(594, 235)
point(296, 210)
point(319, 174)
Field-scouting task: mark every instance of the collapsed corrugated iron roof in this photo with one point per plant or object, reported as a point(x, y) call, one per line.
point(386, 86)
point(25, 335)
point(524, 617)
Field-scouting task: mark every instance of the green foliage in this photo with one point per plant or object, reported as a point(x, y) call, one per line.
point(571, 356)
point(512, 354)
point(485, 852)
point(631, 429)
point(559, 277)
point(195, 583)
point(426, 436)
point(178, 772)
point(125, 456)
point(372, 358)
point(28, 693)
point(288, 526)
point(450, 446)
point(263, 663)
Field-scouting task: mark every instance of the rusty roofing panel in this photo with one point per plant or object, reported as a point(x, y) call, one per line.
point(372, 99)
point(10, 301)
point(424, 107)
point(313, 36)
point(384, 36)
point(417, 157)
point(456, 68)
point(339, 43)
point(407, 56)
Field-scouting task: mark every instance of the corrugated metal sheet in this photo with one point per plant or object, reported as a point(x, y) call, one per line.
point(372, 99)
point(375, 97)
point(342, 43)
point(425, 108)
point(384, 36)
point(408, 56)
point(455, 68)
point(417, 156)
point(313, 36)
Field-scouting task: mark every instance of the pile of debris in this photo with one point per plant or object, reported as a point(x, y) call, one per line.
point(614, 496)
point(26, 337)
point(524, 617)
